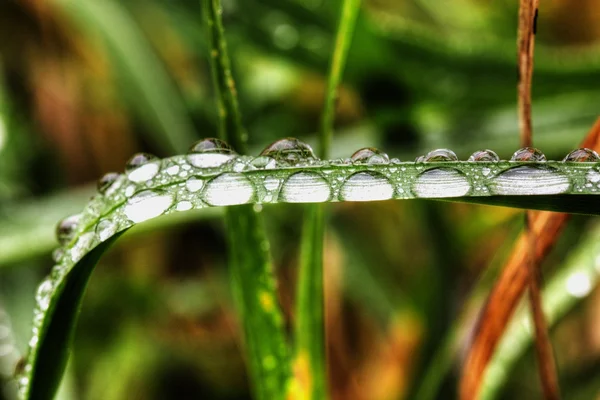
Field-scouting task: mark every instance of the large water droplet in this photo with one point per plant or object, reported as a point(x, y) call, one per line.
point(210, 153)
point(147, 204)
point(228, 189)
point(106, 181)
point(43, 294)
point(370, 155)
point(528, 154)
point(305, 187)
point(105, 229)
point(582, 155)
point(484, 155)
point(290, 150)
point(441, 182)
point(366, 186)
point(139, 159)
point(530, 181)
point(439, 155)
point(65, 230)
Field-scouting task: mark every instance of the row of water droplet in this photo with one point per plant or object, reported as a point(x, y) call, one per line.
point(212, 174)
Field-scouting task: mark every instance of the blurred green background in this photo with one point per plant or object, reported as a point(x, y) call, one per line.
point(86, 83)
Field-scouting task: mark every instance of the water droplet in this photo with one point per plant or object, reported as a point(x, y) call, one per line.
point(264, 163)
point(484, 155)
point(441, 182)
point(106, 181)
point(137, 160)
point(228, 189)
point(193, 185)
point(593, 176)
point(370, 155)
point(529, 181)
point(184, 206)
point(305, 187)
point(43, 294)
point(173, 170)
point(271, 183)
point(105, 229)
point(528, 154)
point(485, 171)
point(210, 153)
point(129, 191)
point(147, 204)
point(366, 186)
point(290, 150)
point(582, 155)
point(439, 155)
point(82, 245)
point(58, 254)
point(579, 284)
point(65, 230)
point(211, 145)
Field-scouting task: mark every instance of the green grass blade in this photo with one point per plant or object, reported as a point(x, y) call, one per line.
point(149, 89)
point(310, 362)
point(253, 278)
point(128, 202)
point(573, 283)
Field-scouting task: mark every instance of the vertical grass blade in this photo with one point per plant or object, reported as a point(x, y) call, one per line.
point(310, 360)
point(251, 270)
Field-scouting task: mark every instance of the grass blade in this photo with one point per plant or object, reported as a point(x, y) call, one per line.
point(310, 369)
point(252, 273)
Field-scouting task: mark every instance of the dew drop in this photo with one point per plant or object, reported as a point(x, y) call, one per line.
point(105, 229)
point(183, 206)
point(58, 254)
point(289, 150)
point(366, 186)
point(529, 181)
point(593, 176)
point(305, 187)
point(441, 182)
point(65, 230)
point(271, 183)
point(228, 189)
point(43, 294)
point(137, 160)
point(82, 245)
point(129, 191)
point(582, 155)
point(193, 185)
point(173, 170)
point(264, 162)
point(528, 154)
point(210, 153)
point(439, 155)
point(484, 155)
point(579, 284)
point(107, 181)
point(147, 204)
point(370, 155)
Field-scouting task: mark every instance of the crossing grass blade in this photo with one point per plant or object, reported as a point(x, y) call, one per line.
point(253, 277)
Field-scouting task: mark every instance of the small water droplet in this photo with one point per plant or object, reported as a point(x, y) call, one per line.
point(528, 154)
point(264, 163)
point(593, 176)
point(484, 155)
point(65, 230)
point(485, 171)
point(289, 150)
point(305, 187)
point(210, 153)
point(271, 183)
point(193, 184)
point(137, 160)
point(529, 181)
point(366, 186)
point(370, 155)
point(579, 284)
point(58, 254)
point(105, 229)
point(582, 155)
point(441, 182)
point(228, 189)
point(184, 206)
point(43, 294)
point(147, 204)
point(438, 155)
point(106, 181)
point(129, 191)
point(173, 170)
point(82, 245)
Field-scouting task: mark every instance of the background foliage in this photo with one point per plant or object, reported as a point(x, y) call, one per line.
point(84, 84)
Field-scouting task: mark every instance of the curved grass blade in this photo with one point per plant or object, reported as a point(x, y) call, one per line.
point(253, 278)
point(188, 182)
point(310, 359)
point(151, 92)
point(572, 284)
